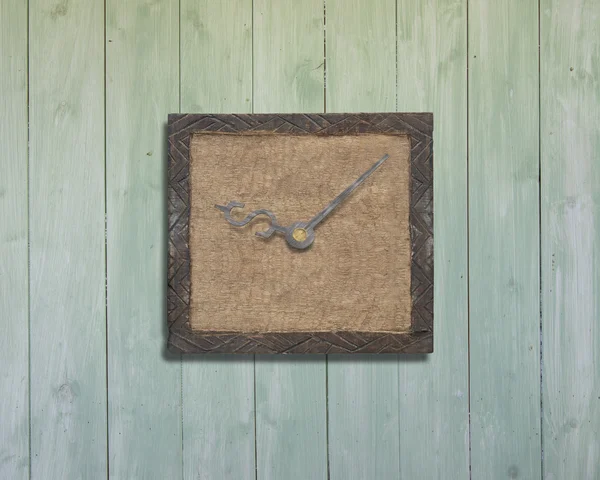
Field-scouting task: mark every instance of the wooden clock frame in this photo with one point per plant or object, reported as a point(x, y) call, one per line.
point(418, 126)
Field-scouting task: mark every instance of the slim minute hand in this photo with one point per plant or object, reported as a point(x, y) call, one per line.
point(319, 217)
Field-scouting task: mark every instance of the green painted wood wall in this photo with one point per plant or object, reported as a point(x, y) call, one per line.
point(86, 387)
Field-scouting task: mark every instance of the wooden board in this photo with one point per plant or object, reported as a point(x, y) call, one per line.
point(14, 281)
point(218, 395)
point(570, 207)
point(291, 426)
point(216, 75)
point(218, 427)
point(504, 240)
point(63, 41)
point(184, 338)
point(144, 381)
point(291, 416)
point(360, 55)
point(362, 393)
point(434, 391)
point(364, 420)
point(67, 244)
point(288, 62)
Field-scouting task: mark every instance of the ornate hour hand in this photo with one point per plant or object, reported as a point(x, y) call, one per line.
point(295, 234)
point(274, 227)
point(299, 235)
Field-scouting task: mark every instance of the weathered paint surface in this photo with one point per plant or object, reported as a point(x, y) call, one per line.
point(14, 300)
point(85, 94)
point(290, 392)
point(570, 201)
point(67, 261)
point(144, 384)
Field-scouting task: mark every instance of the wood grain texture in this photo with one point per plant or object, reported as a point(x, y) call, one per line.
point(362, 392)
point(14, 280)
point(216, 55)
point(67, 254)
point(361, 55)
point(291, 425)
point(144, 382)
point(434, 391)
point(218, 394)
point(419, 339)
point(363, 417)
point(68, 362)
point(504, 239)
point(291, 416)
point(218, 418)
point(570, 207)
point(288, 56)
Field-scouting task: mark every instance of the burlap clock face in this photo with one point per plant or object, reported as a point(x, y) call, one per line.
point(356, 274)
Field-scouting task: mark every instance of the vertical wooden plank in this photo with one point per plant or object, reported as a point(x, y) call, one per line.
point(288, 56)
point(363, 417)
point(570, 175)
point(67, 254)
point(144, 382)
point(362, 391)
point(291, 425)
point(361, 55)
point(14, 281)
point(504, 239)
point(216, 56)
point(218, 418)
point(434, 400)
point(218, 393)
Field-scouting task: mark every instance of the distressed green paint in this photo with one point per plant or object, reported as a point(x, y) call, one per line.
point(387, 419)
point(14, 300)
point(291, 427)
point(216, 56)
point(434, 389)
point(66, 221)
point(361, 55)
point(362, 391)
point(504, 239)
point(144, 382)
point(570, 175)
point(218, 417)
point(288, 56)
point(218, 393)
point(363, 417)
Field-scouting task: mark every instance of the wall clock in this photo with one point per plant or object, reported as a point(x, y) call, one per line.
point(300, 233)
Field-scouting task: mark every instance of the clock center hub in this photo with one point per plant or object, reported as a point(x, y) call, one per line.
point(299, 234)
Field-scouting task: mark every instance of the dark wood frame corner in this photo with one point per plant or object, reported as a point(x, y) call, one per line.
point(419, 126)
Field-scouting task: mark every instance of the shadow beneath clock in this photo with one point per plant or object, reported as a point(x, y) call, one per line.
point(384, 358)
point(298, 359)
point(217, 358)
point(258, 359)
point(414, 358)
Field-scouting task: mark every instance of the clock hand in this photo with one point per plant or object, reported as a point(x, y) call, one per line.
point(274, 227)
point(298, 235)
point(319, 217)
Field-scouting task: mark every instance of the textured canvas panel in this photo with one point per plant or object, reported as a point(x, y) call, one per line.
point(419, 338)
point(354, 277)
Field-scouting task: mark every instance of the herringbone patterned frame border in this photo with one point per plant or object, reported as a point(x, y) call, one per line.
point(419, 126)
